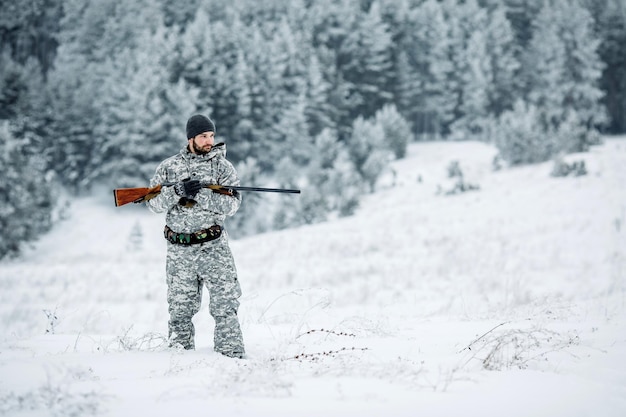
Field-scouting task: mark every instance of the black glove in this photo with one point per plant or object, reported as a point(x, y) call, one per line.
point(187, 188)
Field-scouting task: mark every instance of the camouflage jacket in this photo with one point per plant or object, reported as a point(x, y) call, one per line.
point(211, 208)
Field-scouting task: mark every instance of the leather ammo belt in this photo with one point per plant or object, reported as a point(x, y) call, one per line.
point(194, 238)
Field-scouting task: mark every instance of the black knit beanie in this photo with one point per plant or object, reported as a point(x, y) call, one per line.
point(199, 124)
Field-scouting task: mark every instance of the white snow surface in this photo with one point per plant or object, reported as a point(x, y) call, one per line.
point(509, 300)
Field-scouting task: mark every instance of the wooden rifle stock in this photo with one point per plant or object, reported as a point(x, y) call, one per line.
point(139, 195)
point(135, 195)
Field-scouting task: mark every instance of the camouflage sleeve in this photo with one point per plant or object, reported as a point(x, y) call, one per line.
point(167, 198)
point(220, 203)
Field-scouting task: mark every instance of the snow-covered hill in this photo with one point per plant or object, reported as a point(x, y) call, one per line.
point(509, 300)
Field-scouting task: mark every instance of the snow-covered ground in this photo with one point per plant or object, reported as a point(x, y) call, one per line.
point(510, 300)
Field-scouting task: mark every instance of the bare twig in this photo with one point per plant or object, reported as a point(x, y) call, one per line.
point(469, 347)
point(52, 320)
point(316, 355)
point(326, 331)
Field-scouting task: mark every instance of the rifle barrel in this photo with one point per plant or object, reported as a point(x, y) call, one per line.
point(262, 189)
point(240, 188)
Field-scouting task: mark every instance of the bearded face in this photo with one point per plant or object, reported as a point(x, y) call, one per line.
point(201, 149)
point(202, 143)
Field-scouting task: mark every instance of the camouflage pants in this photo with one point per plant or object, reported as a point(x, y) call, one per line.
point(189, 269)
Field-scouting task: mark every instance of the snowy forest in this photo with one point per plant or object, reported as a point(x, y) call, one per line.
point(316, 94)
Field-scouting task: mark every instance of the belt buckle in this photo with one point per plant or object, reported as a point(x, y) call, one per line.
point(213, 231)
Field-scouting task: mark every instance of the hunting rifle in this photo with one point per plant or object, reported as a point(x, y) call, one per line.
point(141, 194)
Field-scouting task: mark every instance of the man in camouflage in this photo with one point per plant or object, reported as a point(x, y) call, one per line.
point(198, 253)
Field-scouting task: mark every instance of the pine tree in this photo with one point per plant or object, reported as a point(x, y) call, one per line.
point(369, 159)
point(332, 24)
point(563, 70)
point(227, 82)
point(394, 14)
point(366, 63)
point(26, 192)
point(396, 130)
point(294, 142)
point(267, 105)
point(134, 241)
point(337, 185)
point(71, 87)
point(503, 54)
point(476, 80)
point(610, 24)
point(521, 14)
point(472, 75)
point(545, 69)
point(18, 86)
point(317, 109)
point(425, 79)
point(243, 129)
point(486, 68)
point(198, 64)
point(292, 129)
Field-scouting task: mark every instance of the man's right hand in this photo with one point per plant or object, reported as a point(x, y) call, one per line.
point(187, 188)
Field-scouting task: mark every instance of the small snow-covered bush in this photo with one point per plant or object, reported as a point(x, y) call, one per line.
point(562, 168)
point(521, 138)
point(460, 185)
point(146, 342)
point(396, 129)
point(369, 158)
point(508, 348)
point(526, 135)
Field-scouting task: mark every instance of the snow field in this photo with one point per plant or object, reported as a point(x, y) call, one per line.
point(509, 299)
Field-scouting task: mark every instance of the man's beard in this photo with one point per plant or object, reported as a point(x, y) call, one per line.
point(201, 151)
